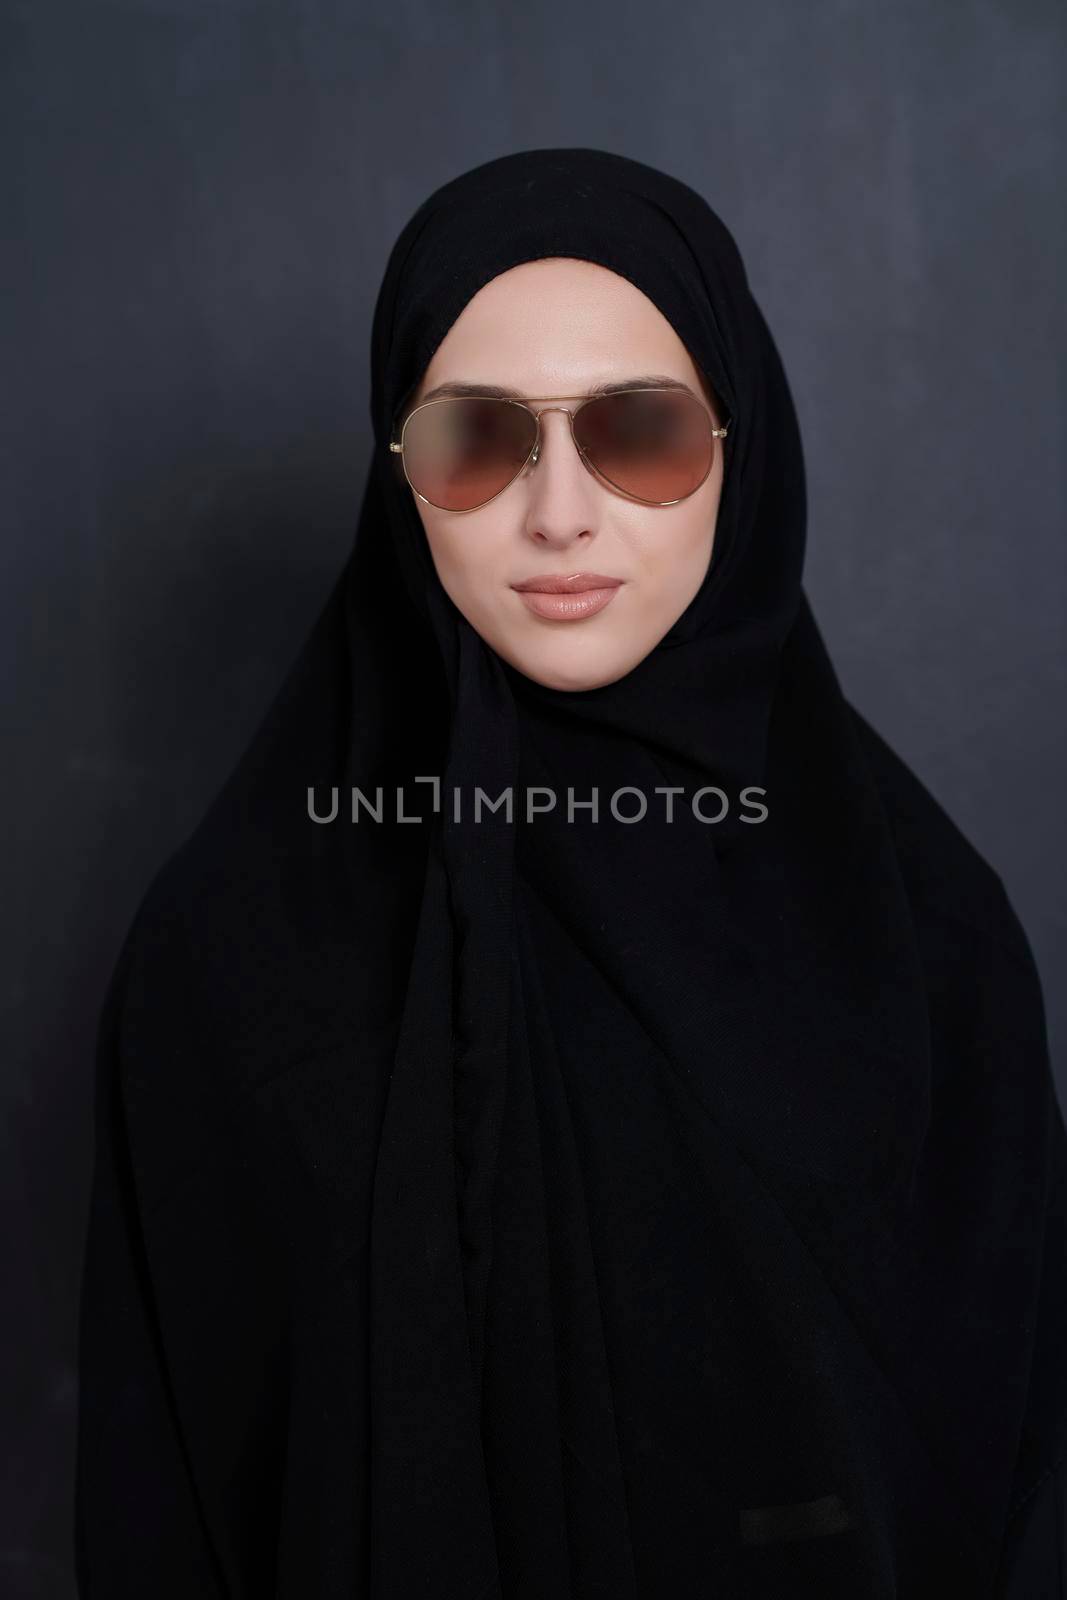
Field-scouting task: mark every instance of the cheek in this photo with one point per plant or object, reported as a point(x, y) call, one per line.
point(463, 555)
point(677, 552)
point(446, 548)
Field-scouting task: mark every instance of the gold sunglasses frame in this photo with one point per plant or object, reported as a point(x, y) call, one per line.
point(535, 450)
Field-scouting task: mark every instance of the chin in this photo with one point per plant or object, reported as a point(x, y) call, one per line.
point(571, 676)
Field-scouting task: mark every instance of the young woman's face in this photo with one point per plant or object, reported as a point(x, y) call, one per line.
point(556, 327)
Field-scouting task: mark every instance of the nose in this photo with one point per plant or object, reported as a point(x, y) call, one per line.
point(560, 506)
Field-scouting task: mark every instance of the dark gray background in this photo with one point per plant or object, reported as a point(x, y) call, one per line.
point(200, 197)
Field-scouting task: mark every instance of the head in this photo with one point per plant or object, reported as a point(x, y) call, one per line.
point(556, 327)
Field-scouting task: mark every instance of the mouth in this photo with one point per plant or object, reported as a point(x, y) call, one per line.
point(568, 597)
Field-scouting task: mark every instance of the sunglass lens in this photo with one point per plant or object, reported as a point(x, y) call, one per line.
point(656, 445)
point(462, 451)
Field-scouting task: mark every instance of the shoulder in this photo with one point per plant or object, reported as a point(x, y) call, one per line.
point(984, 991)
point(946, 877)
point(242, 960)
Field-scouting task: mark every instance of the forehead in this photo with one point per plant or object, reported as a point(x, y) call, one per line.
point(556, 322)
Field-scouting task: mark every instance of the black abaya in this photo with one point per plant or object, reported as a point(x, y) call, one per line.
point(533, 1209)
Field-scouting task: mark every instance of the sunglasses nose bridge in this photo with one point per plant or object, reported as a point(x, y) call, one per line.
point(539, 414)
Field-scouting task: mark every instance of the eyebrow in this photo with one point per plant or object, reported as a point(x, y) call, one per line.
point(498, 391)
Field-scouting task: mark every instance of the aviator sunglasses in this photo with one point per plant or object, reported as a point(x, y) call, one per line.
point(651, 443)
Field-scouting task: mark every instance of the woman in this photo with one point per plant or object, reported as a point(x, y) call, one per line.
point(652, 1189)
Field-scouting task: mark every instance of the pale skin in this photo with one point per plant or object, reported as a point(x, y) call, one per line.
point(555, 327)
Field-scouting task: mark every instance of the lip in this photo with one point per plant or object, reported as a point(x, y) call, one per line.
point(566, 583)
point(568, 597)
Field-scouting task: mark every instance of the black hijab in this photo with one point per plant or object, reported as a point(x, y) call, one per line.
point(703, 1212)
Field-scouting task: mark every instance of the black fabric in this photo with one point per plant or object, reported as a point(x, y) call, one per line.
point(542, 1209)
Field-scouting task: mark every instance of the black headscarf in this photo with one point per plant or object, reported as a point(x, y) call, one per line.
point(709, 1207)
